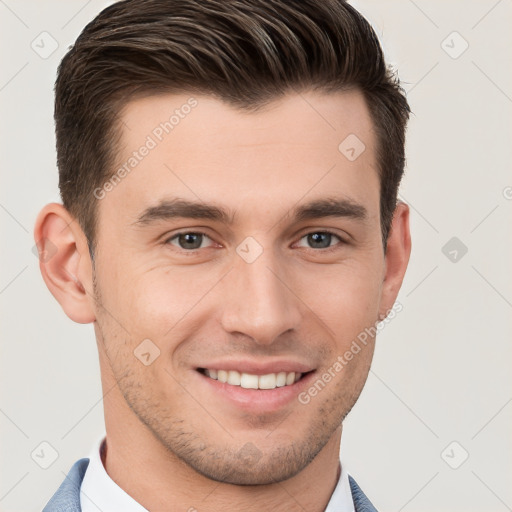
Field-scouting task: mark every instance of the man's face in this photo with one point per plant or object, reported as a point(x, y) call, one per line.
point(259, 292)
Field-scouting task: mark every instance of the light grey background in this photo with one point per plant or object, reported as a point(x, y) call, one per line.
point(441, 372)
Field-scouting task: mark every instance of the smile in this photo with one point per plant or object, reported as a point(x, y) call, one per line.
point(252, 381)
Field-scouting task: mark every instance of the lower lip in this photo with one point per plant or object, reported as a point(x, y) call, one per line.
point(258, 400)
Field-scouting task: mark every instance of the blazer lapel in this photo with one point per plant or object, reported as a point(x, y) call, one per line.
point(361, 502)
point(67, 497)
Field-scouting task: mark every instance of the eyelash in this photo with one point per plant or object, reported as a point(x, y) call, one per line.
point(322, 250)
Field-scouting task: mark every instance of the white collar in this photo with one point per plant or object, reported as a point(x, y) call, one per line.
point(100, 492)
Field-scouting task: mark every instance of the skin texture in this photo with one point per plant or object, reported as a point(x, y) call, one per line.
point(186, 442)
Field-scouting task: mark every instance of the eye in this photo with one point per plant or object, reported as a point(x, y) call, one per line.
point(192, 240)
point(189, 240)
point(320, 239)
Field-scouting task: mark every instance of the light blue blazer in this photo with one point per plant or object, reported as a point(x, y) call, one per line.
point(67, 497)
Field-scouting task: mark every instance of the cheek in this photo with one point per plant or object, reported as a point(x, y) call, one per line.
point(152, 302)
point(347, 300)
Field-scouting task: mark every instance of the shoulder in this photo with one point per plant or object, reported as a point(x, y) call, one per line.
point(67, 497)
point(361, 502)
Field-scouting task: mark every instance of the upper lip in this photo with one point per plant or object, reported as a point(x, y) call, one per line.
point(258, 367)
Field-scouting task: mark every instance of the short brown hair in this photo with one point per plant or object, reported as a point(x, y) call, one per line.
point(244, 52)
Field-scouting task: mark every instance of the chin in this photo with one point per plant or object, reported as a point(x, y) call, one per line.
point(250, 464)
point(261, 470)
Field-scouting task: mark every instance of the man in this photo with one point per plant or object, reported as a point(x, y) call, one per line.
point(229, 174)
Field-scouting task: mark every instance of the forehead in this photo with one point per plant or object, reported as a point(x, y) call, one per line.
point(197, 147)
point(310, 116)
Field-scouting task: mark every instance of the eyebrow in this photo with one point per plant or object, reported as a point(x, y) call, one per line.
point(169, 209)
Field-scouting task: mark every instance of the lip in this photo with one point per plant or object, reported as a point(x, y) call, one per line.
point(253, 401)
point(258, 368)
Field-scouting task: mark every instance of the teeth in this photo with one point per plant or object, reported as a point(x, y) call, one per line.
point(234, 378)
point(267, 381)
point(249, 381)
point(281, 379)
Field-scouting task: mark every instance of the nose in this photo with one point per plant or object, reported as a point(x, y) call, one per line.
point(259, 300)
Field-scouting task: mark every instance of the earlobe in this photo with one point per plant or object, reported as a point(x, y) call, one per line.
point(64, 262)
point(397, 258)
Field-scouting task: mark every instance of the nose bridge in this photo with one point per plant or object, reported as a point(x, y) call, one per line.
point(258, 301)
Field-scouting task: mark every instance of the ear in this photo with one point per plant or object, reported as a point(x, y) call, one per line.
point(396, 258)
point(65, 262)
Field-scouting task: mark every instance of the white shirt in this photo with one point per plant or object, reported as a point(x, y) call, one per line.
point(100, 493)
